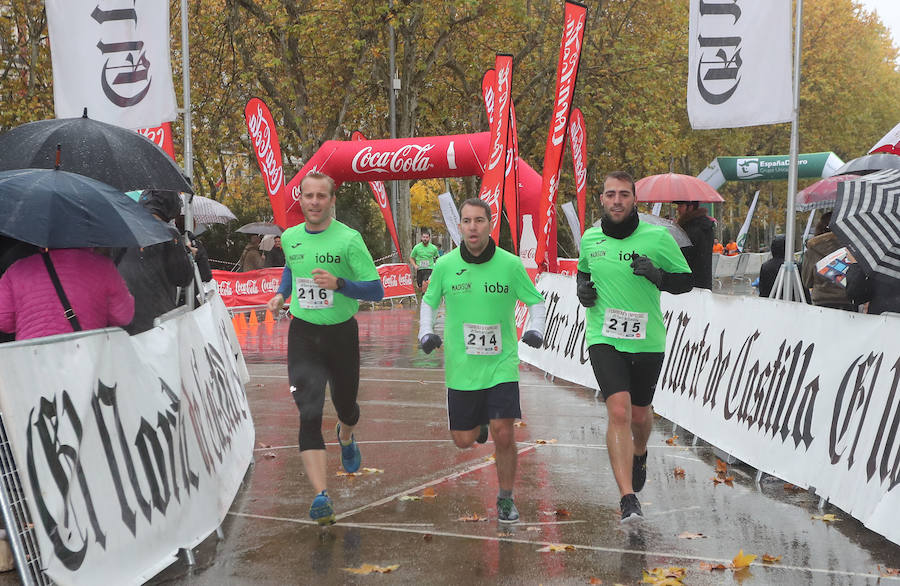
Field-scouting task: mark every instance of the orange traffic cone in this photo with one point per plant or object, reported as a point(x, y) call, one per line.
point(236, 323)
point(269, 319)
point(254, 321)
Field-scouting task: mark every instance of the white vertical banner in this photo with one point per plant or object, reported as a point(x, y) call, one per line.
point(568, 209)
point(657, 207)
point(739, 63)
point(745, 229)
point(112, 60)
point(451, 216)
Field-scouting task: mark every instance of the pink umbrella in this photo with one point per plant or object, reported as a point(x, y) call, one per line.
point(822, 193)
point(669, 187)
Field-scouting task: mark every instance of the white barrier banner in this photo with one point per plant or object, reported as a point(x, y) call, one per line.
point(764, 380)
point(451, 216)
point(128, 448)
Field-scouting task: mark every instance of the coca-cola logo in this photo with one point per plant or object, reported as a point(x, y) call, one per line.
point(225, 289)
point(576, 133)
point(380, 193)
point(396, 279)
point(157, 135)
point(571, 50)
point(410, 158)
point(500, 131)
point(269, 285)
point(246, 287)
point(269, 163)
point(492, 198)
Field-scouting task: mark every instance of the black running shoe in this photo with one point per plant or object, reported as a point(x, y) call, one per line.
point(482, 434)
point(631, 508)
point(639, 472)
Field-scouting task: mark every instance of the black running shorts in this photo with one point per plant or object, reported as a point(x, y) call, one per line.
point(469, 409)
point(618, 371)
point(422, 275)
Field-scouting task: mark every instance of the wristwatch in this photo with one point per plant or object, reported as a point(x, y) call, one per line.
point(340, 283)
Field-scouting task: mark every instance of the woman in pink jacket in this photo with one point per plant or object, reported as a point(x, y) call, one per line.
point(31, 308)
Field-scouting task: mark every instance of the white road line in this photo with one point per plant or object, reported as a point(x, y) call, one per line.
point(684, 457)
point(427, 382)
point(438, 441)
point(445, 478)
point(669, 512)
point(363, 443)
point(598, 548)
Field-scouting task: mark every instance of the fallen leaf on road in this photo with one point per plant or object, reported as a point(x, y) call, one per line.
point(679, 472)
point(367, 569)
point(671, 440)
point(373, 471)
point(543, 441)
point(345, 473)
point(264, 446)
point(728, 480)
point(742, 560)
point(520, 424)
point(490, 458)
point(594, 580)
point(409, 497)
point(829, 518)
point(788, 487)
point(557, 513)
point(269, 455)
point(473, 518)
point(770, 559)
point(688, 535)
point(533, 528)
point(721, 467)
point(428, 537)
point(555, 547)
point(712, 567)
point(429, 493)
point(665, 576)
point(887, 572)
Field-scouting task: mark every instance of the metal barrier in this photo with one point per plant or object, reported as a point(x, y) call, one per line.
point(19, 527)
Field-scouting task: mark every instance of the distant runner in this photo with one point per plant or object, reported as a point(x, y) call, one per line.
point(480, 284)
point(422, 259)
point(328, 268)
point(623, 266)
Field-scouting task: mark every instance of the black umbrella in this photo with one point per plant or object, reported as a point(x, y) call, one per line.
point(870, 163)
point(56, 209)
point(867, 219)
point(114, 155)
point(260, 228)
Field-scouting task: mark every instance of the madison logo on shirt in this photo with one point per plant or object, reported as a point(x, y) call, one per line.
point(465, 287)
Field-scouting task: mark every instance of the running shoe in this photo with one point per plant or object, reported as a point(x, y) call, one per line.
point(507, 511)
point(639, 472)
point(631, 508)
point(482, 434)
point(322, 510)
point(351, 458)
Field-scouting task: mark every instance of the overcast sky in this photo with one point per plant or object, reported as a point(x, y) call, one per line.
point(889, 12)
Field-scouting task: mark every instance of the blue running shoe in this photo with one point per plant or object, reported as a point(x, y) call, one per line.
point(350, 456)
point(322, 510)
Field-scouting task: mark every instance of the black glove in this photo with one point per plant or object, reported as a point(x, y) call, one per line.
point(587, 295)
point(643, 267)
point(533, 338)
point(429, 342)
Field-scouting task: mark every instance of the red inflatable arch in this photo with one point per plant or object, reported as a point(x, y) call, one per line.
point(458, 155)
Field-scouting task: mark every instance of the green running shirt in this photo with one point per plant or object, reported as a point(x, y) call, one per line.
point(424, 256)
point(340, 250)
point(481, 348)
point(608, 260)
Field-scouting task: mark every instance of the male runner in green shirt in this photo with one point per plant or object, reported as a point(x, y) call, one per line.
point(422, 259)
point(623, 266)
point(327, 268)
point(480, 285)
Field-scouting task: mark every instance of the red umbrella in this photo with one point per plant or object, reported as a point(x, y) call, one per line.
point(669, 187)
point(822, 193)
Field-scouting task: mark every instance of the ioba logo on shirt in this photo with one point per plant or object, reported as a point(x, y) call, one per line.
point(496, 288)
point(628, 255)
point(328, 257)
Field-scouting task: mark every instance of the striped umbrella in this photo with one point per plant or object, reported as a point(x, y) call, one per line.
point(867, 219)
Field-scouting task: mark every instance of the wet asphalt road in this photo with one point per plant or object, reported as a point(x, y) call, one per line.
point(565, 493)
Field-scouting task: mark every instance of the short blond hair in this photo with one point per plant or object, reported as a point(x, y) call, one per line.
point(318, 175)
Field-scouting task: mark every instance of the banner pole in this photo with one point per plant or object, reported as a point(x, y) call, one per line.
point(789, 267)
point(188, 144)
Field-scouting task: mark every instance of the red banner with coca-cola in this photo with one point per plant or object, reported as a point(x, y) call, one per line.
point(396, 280)
point(566, 73)
point(250, 288)
point(268, 154)
point(494, 178)
point(162, 136)
point(577, 139)
point(381, 198)
point(255, 288)
point(511, 184)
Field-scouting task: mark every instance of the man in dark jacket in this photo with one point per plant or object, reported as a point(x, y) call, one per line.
point(699, 227)
point(768, 272)
point(154, 273)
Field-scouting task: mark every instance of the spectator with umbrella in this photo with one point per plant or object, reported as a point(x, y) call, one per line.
point(275, 256)
point(252, 257)
point(823, 291)
point(154, 273)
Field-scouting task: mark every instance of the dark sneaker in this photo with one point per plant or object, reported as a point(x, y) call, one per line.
point(351, 458)
point(507, 511)
point(322, 510)
point(482, 434)
point(639, 472)
point(631, 508)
